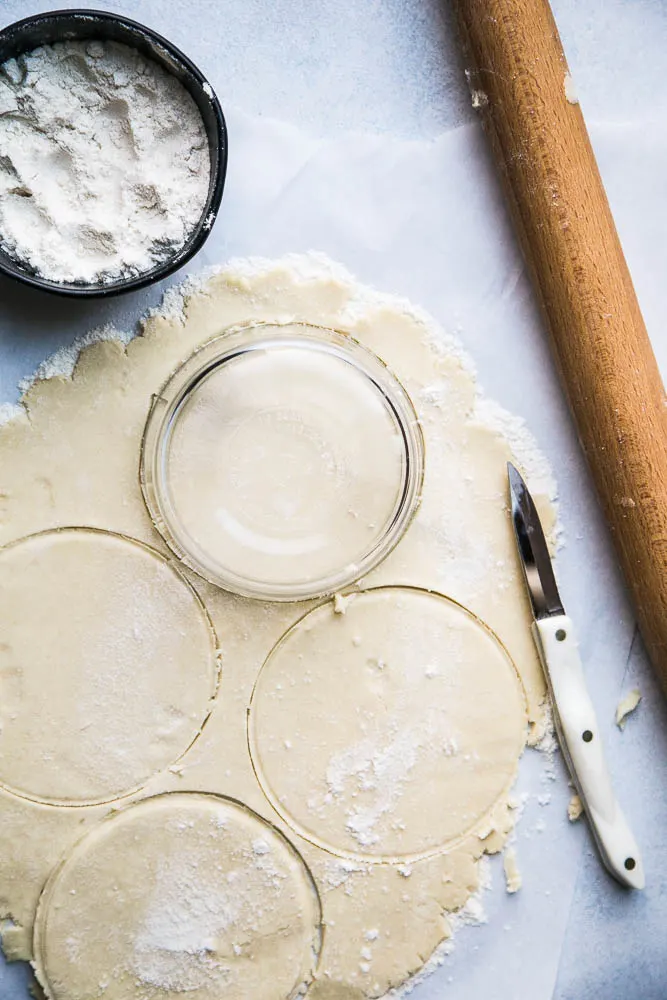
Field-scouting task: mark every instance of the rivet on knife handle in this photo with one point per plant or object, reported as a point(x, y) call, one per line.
point(576, 720)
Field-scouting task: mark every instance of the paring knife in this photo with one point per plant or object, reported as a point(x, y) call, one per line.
point(574, 714)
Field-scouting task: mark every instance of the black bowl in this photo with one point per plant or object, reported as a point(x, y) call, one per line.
point(74, 25)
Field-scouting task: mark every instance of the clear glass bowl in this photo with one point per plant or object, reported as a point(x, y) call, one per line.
point(282, 462)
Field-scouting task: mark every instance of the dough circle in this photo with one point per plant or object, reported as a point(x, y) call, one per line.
point(387, 725)
point(282, 462)
point(107, 666)
point(187, 894)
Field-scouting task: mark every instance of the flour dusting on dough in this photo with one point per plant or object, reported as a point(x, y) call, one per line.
point(306, 268)
point(383, 770)
point(174, 947)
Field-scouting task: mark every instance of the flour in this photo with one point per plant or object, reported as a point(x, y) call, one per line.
point(175, 946)
point(571, 95)
point(104, 168)
point(383, 770)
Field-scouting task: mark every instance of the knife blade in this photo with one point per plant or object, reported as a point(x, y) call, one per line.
point(574, 713)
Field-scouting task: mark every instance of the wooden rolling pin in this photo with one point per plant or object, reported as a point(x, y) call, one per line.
point(520, 82)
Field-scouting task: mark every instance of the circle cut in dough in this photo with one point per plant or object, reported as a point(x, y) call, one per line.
point(282, 462)
point(107, 666)
point(387, 724)
point(184, 894)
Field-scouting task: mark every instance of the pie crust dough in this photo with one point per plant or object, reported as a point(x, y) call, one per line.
point(355, 714)
point(108, 666)
point(180, 894)
point(71, 458)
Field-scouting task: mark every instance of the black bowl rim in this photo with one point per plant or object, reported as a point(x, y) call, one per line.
point(219, 148)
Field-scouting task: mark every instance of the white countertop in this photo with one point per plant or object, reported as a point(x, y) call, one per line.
point(351, 132)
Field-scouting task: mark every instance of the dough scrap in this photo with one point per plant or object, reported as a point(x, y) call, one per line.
point(180, 894)
point(71, 458)
point(513, 880)
point(575, 808)
point(626, 706)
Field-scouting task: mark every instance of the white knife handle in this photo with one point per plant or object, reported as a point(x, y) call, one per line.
point(582, 746)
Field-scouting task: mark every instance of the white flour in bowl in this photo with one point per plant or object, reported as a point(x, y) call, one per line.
point(104, 165)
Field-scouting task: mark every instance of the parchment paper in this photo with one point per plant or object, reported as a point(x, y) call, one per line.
point(423, 217)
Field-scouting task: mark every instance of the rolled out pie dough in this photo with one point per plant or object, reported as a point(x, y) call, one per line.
point(355, 714)
point(70, 458)
point(179, 894)
point(107, 666)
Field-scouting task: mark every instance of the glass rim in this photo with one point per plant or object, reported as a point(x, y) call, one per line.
point(168, 403)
